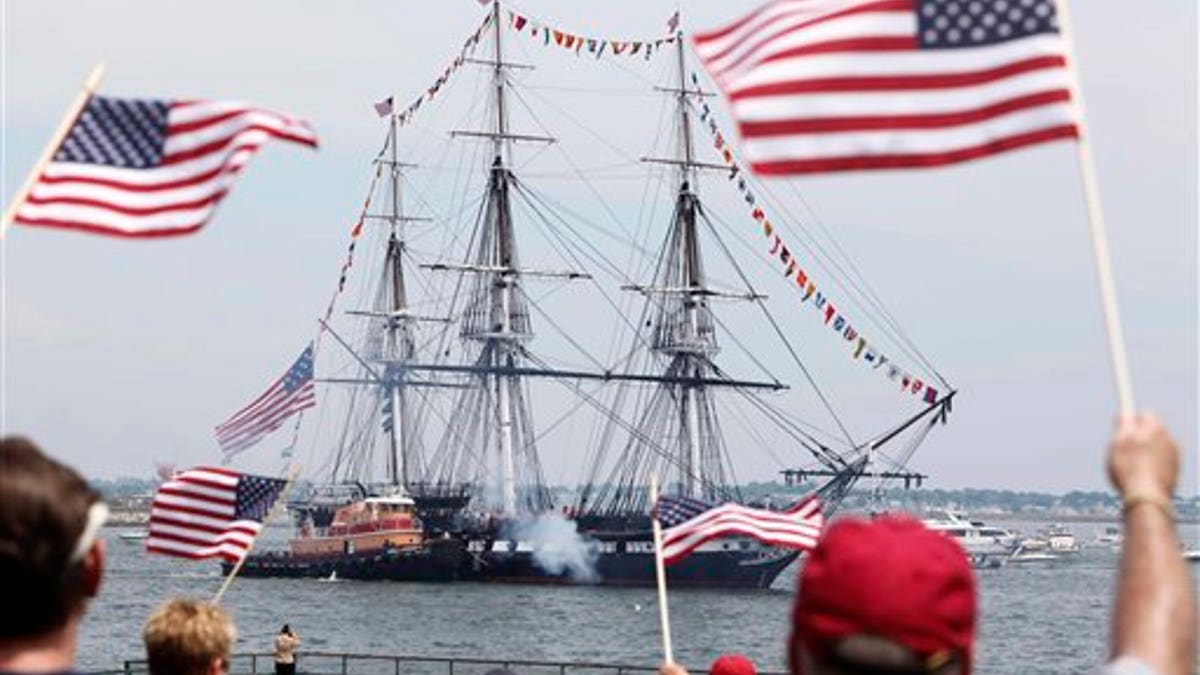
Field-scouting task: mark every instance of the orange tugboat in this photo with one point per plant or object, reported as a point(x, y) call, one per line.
point(377, 537)
point(373, 524)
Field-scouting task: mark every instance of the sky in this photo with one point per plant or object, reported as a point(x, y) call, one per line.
point(120, 354)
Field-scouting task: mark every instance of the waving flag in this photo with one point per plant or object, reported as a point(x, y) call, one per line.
point(689, 523)
point(834, 85)
point(287, 396)
point(210, 513)
point(149, 167)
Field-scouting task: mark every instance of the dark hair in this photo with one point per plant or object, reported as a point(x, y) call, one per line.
point(42, 514)
point(286, 629)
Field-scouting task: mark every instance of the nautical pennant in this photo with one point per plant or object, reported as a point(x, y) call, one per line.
point(792, 269)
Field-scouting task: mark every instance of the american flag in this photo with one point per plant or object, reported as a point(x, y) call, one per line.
point(287, 396)
point(834, 85)
point(209, 512)
point(150, 167)
point(689, 523)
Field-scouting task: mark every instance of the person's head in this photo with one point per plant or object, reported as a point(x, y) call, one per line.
point(884, 596)
point(51, 559)
point(286, 630)
point(732, 664)
point(188, 637)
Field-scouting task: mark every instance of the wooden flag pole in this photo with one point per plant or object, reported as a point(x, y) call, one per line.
point(660, 573)
point(281, 500)
point(1100, 249)
point(64, 127)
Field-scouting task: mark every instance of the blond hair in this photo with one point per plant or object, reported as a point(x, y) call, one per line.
point(183, 636)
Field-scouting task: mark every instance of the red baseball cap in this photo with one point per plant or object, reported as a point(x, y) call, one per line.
point(891, 578)
point(732, 664)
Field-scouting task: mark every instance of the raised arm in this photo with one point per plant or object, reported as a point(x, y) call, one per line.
point(1154, 619)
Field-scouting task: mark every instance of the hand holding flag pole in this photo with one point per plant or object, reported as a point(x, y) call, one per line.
point(282, 500)
point(660, 573)
point(64, 127)
point(1100, 249)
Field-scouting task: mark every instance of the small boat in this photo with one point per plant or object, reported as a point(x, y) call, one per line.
point(133, 536)
point(1062, 542)
point(1023, 555)
point(987, 546)
point(1192, 555)
point(1034, 544)
point(1110, 537)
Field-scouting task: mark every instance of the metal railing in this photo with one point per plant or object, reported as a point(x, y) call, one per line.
point(346, 663)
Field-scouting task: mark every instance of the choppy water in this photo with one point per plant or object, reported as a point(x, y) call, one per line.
point(1035, 619)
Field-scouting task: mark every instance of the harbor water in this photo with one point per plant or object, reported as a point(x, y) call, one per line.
point(1037, 618)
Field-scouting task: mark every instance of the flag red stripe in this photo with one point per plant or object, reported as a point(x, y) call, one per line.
point(802, 526)
point(884, 43)
point(196, 179)
point(879, 123)
point(202, 542)
point(999, 145)
point(216, 469)
point(883, 6)
point(764, 517)
point(234, 442)
point(724, 532)
point(201, 527)
point(194, 479)
point(104, 229)
point(722, 32)
point(899, 82)
point(229, 557)
point(300, 399)
point(168, 490)
point(204, 122)
point(189, 510)
point(132, 210)
point(275, 387)
point(222, 143)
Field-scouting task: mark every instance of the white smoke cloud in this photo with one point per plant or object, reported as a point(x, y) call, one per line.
point(557, 546)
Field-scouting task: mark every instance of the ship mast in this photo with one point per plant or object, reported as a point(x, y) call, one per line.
point(507, 279)
point(399, 336)
point(692, 279)
point(686, 337)
point(397, 346)
point(498, 318)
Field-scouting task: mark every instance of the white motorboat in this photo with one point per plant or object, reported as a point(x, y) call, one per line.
point(1110, 537)
point(134, 535)
point(1034, 544)
point(1022, 557)
point(1061, 541)
point(986, 545)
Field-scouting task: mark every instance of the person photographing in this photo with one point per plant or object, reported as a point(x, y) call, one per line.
point(285, 651)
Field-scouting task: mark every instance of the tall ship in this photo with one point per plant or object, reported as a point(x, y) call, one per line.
point(448, 405)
